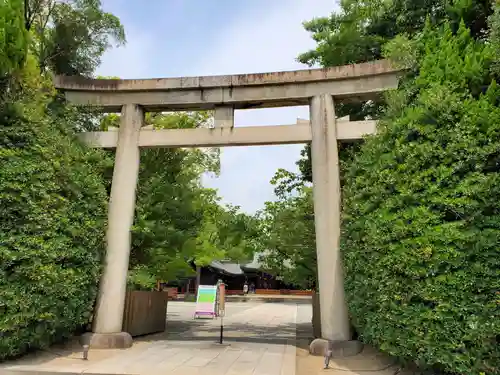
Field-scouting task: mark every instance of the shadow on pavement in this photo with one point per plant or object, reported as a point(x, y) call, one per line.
point(200, 330)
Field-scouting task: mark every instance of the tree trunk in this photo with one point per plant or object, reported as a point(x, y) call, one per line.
point(186, 293)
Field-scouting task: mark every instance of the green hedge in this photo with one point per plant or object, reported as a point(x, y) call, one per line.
point(421, 222)
point(52, 221)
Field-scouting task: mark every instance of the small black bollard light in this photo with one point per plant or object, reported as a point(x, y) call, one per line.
point(85, 352)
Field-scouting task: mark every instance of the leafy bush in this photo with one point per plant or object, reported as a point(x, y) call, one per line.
point(13, 39)
point(52, 221)
point(421, 222)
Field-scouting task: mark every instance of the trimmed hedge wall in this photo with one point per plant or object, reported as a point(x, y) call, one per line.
point(421, 222)
point(52, 222)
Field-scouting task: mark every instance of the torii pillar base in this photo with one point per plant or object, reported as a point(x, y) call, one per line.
point(335, 349)
point(119, 340)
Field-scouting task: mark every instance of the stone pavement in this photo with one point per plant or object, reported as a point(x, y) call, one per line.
point(369, 362)
point(260, 337)
point(263, 339)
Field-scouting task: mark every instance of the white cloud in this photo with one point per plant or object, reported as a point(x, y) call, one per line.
point(264, 41)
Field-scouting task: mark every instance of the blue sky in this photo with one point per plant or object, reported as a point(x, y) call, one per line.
point(169, 38)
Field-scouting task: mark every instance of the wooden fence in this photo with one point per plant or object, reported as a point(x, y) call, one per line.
point(286, 292)
point(145, 312)
point(274, 292)
point(233, 292)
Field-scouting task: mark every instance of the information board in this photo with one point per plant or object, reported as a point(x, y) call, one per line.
point(205, 301)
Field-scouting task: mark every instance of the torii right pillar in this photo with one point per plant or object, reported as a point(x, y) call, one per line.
point(335, 325)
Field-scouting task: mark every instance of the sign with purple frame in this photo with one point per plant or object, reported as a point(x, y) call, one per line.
point(205, 301)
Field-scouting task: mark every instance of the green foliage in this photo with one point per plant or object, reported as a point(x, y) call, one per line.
point(13, 40)
point(494, 38)
point(421, 207)
point(226, 234)
point(70, 37)
point(178, 221)
point(169, 208)
point(52, 220)
point(167, 217)
point(141, 278)
point(287, 232)
point(287, 225)
point(358, 32)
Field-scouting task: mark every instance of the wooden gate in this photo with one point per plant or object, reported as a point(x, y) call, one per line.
point(145, 312)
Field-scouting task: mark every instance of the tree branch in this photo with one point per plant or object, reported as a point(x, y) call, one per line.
point(300, 263)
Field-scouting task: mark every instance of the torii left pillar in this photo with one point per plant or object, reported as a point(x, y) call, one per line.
point(108, 321)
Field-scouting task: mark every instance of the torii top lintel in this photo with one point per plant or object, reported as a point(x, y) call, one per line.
point(357, 81)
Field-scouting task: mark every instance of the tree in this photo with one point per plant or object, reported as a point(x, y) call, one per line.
point(227, 234)
point(52, 220)
point(70, 37)
point(13, 42)
point(360, 30)
point(494, 39)
point(288, 227)
point(421, 207)
point(170, 201)
point(287, 232)
point(52, 203)
point(178, 221)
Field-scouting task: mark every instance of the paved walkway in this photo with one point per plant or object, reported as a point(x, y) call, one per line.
point(259, 339)
point(262, 339)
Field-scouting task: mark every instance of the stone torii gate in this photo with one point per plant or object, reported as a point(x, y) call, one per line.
point(318, 88)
